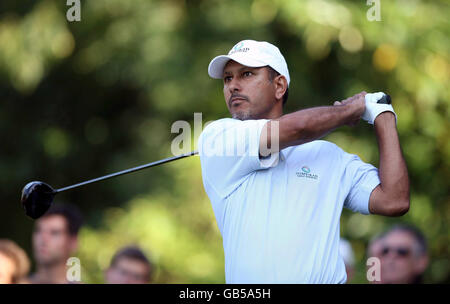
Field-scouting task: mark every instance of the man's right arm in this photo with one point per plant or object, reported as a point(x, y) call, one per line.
point(310, 124)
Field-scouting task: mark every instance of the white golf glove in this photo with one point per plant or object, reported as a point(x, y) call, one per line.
point(373, 109)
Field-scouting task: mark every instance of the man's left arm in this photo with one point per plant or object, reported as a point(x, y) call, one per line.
point(391, 196)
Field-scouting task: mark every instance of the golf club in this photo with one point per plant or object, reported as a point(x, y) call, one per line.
point(37, 197)
point(385, 99)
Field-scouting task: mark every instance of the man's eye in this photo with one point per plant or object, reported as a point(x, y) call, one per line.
point(55, 232)
point(227, 78)
point(248, 73)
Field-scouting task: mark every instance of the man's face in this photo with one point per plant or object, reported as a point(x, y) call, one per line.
point(400, 260)
point(6, 270)
point(52, 243)
point(248, 92)
point(128, 271)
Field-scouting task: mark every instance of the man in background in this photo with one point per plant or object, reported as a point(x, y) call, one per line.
point(404, 256)
point(14, 263)
point(129, 266)
point(55, 239)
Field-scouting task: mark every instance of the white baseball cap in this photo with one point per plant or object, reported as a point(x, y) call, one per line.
point(251, 53)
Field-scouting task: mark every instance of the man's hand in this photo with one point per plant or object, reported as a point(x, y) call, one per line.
point(357, 102)
point(373, 108)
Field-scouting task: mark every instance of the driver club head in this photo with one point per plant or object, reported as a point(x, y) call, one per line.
point(386, 99)
point(37, 197)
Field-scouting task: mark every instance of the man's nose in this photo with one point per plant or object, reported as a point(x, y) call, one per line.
point(43, 237)
point(234, 85)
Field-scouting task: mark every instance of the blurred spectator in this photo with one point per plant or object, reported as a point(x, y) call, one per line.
point(404, 256)
point(129, 266)
point(14, 263)
point(346, 252)
point(55, 239)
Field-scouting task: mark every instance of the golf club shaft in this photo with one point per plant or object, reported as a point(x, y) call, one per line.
point(156, 163)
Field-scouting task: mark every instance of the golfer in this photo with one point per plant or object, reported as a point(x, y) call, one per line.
point(277, 191)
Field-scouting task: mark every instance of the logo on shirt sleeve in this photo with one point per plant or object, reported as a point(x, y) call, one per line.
point(305, 172)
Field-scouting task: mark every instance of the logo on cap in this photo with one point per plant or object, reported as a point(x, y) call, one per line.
point(238, 48)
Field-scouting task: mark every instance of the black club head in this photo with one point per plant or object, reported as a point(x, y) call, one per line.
point(386, 99)
point(37, 197)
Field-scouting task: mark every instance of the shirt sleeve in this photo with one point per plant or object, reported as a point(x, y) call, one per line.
point(363, 178)
point(229, 153)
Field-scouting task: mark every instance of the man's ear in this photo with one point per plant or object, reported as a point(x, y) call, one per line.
point(280, 86)
point(421, 264)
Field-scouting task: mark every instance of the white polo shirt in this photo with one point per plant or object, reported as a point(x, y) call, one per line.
point(279, 217)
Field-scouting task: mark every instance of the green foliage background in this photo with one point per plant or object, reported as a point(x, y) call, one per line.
point(83, 99)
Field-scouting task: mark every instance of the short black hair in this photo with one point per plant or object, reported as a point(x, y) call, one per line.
point(72, 215)
point(272, 75)
point(133, 253)
point(414, 232)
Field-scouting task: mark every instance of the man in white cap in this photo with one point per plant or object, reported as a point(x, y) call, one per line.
point(276, 190)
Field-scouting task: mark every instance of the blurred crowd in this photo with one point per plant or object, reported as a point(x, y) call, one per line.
point(55, 241)
point(401, 255)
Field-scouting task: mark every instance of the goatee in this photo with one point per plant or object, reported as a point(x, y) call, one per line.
point(244, 115)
